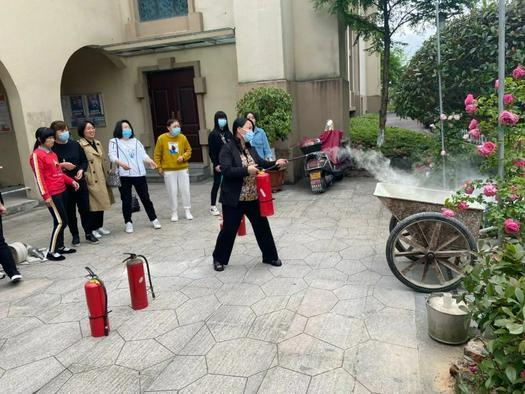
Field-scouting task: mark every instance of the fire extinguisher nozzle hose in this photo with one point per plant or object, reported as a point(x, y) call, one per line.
point(149, 275)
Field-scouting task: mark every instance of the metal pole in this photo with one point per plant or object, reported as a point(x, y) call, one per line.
point(501, 89)
point(440, 93)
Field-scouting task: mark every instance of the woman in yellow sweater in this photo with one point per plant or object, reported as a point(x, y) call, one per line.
point(172, 153)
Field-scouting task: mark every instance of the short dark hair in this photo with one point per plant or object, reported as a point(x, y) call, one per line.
point(58, 125)
point(117, 132)
point(170, 121)
point(250, 112)
point(82, 127)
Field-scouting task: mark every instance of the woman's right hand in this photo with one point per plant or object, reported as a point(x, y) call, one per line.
point(218, 168)
point(124, 165)
point(160, 170)
point(48, 202)
point(252, 170)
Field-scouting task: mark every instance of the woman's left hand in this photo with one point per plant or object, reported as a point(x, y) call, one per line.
point(68, 166)
point(281, 163)
point(76, 186)
point(79, 175)
point(152, 165)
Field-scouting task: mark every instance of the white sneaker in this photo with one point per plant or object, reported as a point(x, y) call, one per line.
point(174, 217)
point(214, 211)
point(16, 278)
point(189, 216)
point(156, 224)
point(96, 234)
point(103, 231)
point(129, 227)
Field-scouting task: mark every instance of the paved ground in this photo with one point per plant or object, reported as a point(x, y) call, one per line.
point(395, 121)
point(332, 319)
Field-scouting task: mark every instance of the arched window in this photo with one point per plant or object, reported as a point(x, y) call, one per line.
point(150, 10)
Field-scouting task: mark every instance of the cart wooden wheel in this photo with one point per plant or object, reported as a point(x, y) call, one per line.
point(400, 246)
point(436, 251)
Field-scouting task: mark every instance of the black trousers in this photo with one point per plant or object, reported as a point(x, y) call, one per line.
point(95, 220)
point(6, 258)
point(215, 188)
point(141, 187)
point(59, 214)
point(232, 219)
point(80, 199)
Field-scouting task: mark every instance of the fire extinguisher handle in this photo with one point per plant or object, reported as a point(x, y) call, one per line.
point(91, 274)
point(131, 256)
point(149, 274)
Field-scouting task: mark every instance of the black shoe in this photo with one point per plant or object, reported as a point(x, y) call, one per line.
point(76, 240)
point(64, 250)
point(55, 256)
point(217, 266)
point(275, 263)
point(91, 238)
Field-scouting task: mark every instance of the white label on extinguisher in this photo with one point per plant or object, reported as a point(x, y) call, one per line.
point(262, 193)
point(141, 279)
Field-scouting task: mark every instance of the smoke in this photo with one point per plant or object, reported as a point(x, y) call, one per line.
point(379, 166)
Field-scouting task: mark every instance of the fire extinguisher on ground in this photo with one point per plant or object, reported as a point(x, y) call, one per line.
point(137, 280)
point(97, 303)
point(264, 192)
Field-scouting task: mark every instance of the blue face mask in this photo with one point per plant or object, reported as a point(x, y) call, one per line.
point(175, 131)
point(222, 122)
point(248, 137)
point(126, 133)
point(64, 137)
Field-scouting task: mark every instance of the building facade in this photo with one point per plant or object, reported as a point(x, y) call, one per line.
point(149, 60)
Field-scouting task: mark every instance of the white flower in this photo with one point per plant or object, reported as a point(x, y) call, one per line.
point(443, 152)
point(432, 126)
point(443, 117)
point(457, 117)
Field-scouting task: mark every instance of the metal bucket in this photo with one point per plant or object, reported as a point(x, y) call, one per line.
point(447, 326)
point(18, 251)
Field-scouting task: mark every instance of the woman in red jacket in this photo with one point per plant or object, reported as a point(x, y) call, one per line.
point(51, 182)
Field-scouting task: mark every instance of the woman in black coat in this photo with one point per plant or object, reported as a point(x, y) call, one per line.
point(218, 137)
point(239, 164)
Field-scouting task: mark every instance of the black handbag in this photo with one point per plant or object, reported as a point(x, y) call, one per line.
point(135, 206)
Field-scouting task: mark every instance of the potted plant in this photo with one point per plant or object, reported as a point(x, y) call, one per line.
point(273, 107)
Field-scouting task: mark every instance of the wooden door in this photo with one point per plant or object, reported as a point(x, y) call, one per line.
point(172, 95)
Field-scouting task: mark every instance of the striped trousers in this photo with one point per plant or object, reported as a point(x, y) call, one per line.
point(59, 214)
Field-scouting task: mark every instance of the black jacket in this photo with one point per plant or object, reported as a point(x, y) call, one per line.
point(215, 143)
point(233, 172)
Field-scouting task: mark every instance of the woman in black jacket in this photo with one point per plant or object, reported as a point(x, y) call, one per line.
point(216, 140)
point(239, 164)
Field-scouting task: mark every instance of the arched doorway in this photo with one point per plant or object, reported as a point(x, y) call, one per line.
point(11, 124)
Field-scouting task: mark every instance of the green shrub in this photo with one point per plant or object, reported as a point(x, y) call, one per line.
point(399, 143)
point(273, 107)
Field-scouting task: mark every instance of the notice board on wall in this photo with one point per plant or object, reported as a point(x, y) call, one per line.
point(5, 117)
point(79, 107)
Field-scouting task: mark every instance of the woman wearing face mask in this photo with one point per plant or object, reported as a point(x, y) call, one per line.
point(69, 151)
point(51, 182)
point(100, 196)
point(172, 154)
point(260, 140)
point(129, 155)
point(239, 163)
point(219, 136)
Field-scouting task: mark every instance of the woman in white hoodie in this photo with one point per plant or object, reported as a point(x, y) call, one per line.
point(129, 155)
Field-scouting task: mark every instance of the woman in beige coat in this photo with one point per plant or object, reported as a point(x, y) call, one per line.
point(100, 196)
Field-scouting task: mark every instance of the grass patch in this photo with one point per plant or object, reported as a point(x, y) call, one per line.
point(399, 143)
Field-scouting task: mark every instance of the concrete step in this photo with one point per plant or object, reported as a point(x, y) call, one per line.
point(16, 201)
point(198, 173)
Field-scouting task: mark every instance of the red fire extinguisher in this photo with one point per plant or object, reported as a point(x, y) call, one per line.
point(242, 227)
point(264, 191)
point(137, 280)
point(97, 303)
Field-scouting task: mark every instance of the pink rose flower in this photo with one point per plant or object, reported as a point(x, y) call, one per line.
point(475, 133)
point(513, 197)
point(490, 190)
point(487, 148)
point(443, 117)
point(519, 162)
point(508, 118)
point(468, 187)
point(473, 124)
point(471, 108)
point(463, 205)
point(473, 368)
point(469, 100)
point(497, 84)
point(518, 72)
point(511, 226)
point(508, 99)
point(522, 373)
point(448, 212)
